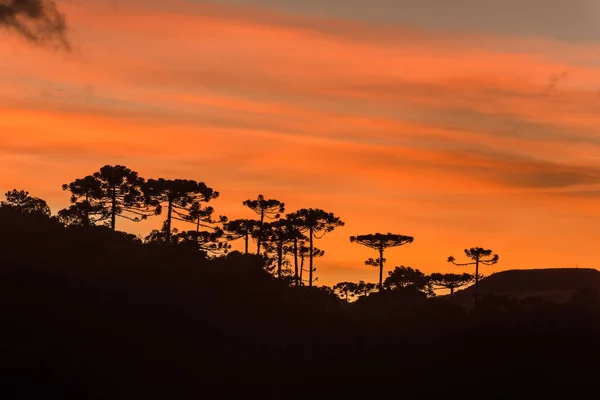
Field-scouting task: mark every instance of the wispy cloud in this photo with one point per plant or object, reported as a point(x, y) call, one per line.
point(38, 21)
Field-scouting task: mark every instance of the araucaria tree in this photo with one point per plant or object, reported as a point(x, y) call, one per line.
point(451, 281)
point(294, 225)
point(113, 191)
point(240, 229)
point(182, 199)
point(479, 256)
point(21, 201)
point(315, 223)
point(303, 252)
point(276, 235)
point(380, 242)
point(270, 209)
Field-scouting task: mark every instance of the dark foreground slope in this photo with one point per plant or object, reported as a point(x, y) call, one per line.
point(557, 284)
point(87, 313)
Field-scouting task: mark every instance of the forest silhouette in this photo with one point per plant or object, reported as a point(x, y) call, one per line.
point(93, 312)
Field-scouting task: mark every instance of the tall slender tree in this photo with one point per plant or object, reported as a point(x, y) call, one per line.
point(21, 201)
point(277, 235)
point(181, 197)
point(380, 242)
point(264, 208)
point(451, 281)
point(295, 230)
point(303, 252)
point(240, 229)
point(113, 191)
point(316, 223)
point(479, 255)
point(212, 240)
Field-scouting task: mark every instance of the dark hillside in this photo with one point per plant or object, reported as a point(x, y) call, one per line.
point(88, 313)
point(558, 284)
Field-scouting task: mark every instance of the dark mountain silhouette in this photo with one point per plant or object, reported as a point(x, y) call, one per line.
point(556, 284)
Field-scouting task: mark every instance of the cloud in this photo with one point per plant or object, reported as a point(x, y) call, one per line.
point(574, 20)
point(39, 21)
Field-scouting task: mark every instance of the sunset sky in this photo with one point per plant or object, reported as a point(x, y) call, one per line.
point(457, 124)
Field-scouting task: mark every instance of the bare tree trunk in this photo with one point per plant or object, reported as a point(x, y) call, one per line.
point(279, 258)
point(260, 232)
point(113, 210)
point(380, 268)
point(169, 213)
point(296, 261)
point(476, 279)
point(310, 271)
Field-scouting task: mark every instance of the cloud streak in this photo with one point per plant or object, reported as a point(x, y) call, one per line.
point(38, 21)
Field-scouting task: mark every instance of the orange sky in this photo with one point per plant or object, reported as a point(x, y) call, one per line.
point(458, 138)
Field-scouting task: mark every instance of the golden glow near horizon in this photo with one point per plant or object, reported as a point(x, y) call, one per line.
point(458, 138)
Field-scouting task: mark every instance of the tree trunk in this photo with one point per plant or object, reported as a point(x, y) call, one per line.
point(86, 212)
point(380, 268)
point(279, 258)
point(310, 254)
point(169, 213)
point(198, 233)
point(260, 232)
point(246, 238)
point(113, 210)
point(296, 261)
point(301, 269)
point(451, 293)
point(476, 279)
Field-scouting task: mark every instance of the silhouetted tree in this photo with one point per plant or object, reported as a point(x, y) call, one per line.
point(240, 228)
point(305, 251)
point(316, 223)
point(479, 256)
point(364, 288)
point(112, 191)
point(159, 237)
point(451, 281)
point(21, 201)
point(277, 234)
point(181, 198)
point(345, 289)
point(380, 242)
point(271, 209)
point(214, 240)
point(85, 208)
point(205, 241)
point(295, 230)
point(407, 277)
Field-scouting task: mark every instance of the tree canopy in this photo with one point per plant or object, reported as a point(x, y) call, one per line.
point(479, 255)
point(265, 209)
point(21, 201)
point(181, 197)
point(316, 223)
point(380, 242)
